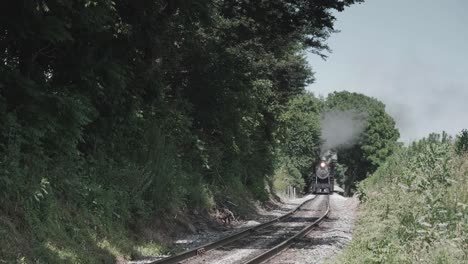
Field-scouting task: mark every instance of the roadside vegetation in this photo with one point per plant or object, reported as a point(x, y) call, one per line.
point(415, 206)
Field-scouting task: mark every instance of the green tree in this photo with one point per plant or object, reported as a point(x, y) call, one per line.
point(377, 142)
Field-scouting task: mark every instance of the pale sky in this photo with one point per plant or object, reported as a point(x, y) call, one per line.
point(410, 54)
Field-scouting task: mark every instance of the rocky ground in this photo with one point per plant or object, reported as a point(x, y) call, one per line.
point(326, 240)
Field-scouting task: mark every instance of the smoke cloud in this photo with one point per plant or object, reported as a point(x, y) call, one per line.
point(341, 128)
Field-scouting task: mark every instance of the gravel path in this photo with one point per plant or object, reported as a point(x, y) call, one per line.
point(328, 239)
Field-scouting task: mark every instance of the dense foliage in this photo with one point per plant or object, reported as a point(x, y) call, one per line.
point(115, 111)
point(415, 207)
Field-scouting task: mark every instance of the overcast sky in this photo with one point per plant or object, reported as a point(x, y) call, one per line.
point(410, 54)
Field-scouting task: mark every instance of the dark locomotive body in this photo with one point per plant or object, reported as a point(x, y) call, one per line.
point(323, 178)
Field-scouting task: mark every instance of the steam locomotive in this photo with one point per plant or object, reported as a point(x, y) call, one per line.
point(323, 180)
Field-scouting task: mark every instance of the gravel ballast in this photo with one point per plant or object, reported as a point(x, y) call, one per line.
point(265, 238)
point(327, 240)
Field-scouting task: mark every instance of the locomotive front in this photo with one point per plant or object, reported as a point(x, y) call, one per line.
point(323, 170)
point(323, 178)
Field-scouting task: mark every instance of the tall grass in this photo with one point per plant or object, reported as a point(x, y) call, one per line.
point(414, 208)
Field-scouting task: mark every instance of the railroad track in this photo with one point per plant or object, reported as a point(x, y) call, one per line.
point(261, 242)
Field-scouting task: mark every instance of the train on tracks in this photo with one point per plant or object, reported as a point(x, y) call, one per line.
point(322, 180)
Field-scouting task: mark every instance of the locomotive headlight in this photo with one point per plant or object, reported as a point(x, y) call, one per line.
point(322, 164)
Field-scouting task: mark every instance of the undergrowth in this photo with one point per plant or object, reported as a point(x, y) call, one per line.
point(414, 207)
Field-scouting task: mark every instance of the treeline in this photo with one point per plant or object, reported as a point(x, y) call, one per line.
point(116, 112)
point(415, 206)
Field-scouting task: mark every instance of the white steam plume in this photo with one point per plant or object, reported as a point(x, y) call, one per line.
point(341, 128)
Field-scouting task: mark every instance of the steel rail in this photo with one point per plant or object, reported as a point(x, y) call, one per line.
point(231, 238)
point(288, 242)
